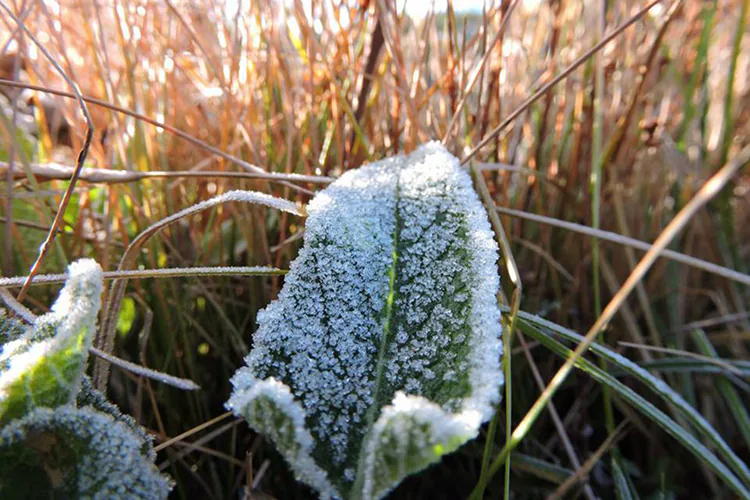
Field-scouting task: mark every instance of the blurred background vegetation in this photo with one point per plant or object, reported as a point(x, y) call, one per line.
point(320, 86)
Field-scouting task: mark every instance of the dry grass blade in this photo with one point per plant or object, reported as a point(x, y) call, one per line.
point(680, 352)
point(583, 471)
point(478, 71)
point(180, 383)
point(199, 442)
point(705, 323)
point(25, 223)
point(630, 242)
point(564, 74)
point(560, 428)
point(50, 171)
point(169, 442)
point(166, 272)
point(172, 130)
point(16, 307)
point(710, 189)
point(616, 142)
point(44, 248)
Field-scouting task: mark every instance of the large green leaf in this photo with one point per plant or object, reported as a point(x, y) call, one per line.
point(383, 350)
point(41, 364)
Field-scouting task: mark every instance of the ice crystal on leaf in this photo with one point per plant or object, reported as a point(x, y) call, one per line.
point(58, 436)
point(70, 452)
point(42, 364)
point(382, 352)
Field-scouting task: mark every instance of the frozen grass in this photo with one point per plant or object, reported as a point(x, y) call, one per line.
point(210, 101)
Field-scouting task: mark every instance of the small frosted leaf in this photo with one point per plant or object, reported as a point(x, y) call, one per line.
point(42, 366)
point(409, 435)
point(76, 453)
point(270, 408)
point(10, 329)
point(393, 292)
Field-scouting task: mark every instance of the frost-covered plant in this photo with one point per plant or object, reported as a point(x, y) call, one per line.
point(58, 436)
point(382, 352)
point(42, 364)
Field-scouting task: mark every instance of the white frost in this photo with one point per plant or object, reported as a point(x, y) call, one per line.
point(273, 390)
point(76, 308)
point(108, 459)
point(400, 420)
point(344, 342)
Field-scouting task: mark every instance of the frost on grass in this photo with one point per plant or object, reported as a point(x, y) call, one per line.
point(383, 350)
point(41, 364)
point(59, 437)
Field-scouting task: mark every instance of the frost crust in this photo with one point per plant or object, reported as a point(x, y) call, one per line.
point(43, 365)
point(84, 453)
point(389, 309)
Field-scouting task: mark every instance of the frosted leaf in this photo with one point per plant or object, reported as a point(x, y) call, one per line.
point(76, 453)
point(269, 406)
point(10, 329)
point(42, 365)
point(387, 327)
point(89, 396)
point(409, 435)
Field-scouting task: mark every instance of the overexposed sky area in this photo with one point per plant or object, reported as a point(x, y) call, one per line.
point(420, 8)
point(415, 8)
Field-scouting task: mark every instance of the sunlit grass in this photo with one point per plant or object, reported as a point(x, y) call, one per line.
point(303, 88)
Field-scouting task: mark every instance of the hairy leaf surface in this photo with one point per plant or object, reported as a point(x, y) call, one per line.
point(59, 437)
point(41, 364)
point(382, 352)
point(70, 452)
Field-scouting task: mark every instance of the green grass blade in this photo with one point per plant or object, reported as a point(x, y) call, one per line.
point(622, 487)
point(678, 364)
point(540, 468)
point(656, 385)
point(727, 390)
point(647, 409)
point(701, 57)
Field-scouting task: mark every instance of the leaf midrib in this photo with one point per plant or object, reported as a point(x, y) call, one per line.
point(373, 410)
